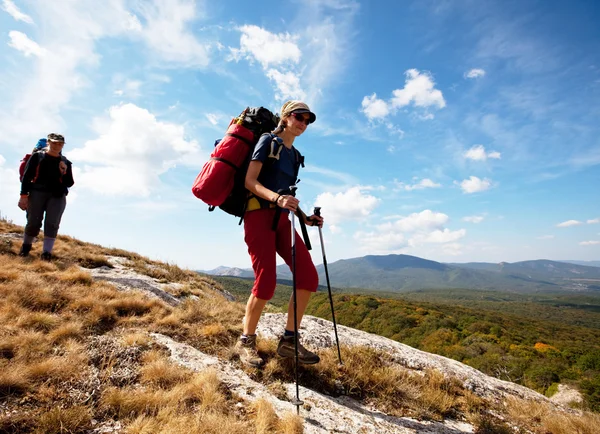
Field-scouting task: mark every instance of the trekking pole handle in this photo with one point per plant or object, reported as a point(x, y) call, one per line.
point(317, 211)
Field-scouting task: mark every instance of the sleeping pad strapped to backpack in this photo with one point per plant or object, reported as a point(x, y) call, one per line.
point(221, 180)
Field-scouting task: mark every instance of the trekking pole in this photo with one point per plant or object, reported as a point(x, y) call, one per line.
point(297, 402)
point(317, 212)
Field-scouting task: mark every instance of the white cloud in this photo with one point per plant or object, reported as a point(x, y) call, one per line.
point(213, 118)
point(288, 84)
point(266, 48)
point(569, 223)
point(475, 185)
point(473, 219)
point(13, 11)
point(132, 151)
point(374, 108)
point(329, 29)
point(131, 88)
point(593, 221)
point(165, 31)
point(426, 220)
point(475, 73)
point(352, 204)
point(589, 243)
point(419, 90)
point(9, 189)
point(440, 236)
point(545, 237)
point(21, 42)
point(426, 227)
point(422, 184)
point(478, 153)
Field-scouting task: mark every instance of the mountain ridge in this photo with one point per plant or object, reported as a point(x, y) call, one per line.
point(406, 272)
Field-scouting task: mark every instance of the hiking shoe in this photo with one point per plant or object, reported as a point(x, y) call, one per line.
point(246, 348)
point(286, 349)
point(46, 256)
point(25, 249)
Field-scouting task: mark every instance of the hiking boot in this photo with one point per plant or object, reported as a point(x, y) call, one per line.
point(25, 249)
point(246, 348)
point(46, 256)
point(286, 349)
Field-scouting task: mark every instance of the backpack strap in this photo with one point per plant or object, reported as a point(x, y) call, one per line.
point(276, 147)
point(41, 155)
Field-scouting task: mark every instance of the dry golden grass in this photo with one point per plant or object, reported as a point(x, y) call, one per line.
point(265, 418)
point(65, 420)
point(542, 418)
point(13, 381)
point(290, 423)
point(160, 372)
point(136, 339)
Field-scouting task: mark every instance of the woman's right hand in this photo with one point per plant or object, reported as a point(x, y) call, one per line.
point(289, 202)
point(23, 202)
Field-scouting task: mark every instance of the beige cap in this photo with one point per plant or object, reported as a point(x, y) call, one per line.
point(297, 107)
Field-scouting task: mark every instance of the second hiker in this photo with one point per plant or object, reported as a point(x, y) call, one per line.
point(44, 187)
point(264, 181)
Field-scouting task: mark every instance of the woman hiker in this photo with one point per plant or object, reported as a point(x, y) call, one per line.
point(47, 178)
point(264, 242)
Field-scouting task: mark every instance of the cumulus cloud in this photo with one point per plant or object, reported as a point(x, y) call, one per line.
point(473, 219)
point(426, 227)
point(278, 55)
point(475, 73)
point(593, 221)
point(422, 184)
point(569, 223)
point(419, 89)
point(131, 152)
point(13, 11)
point(478, 153)
point(353, 204)
point(374, 108)
point(475, 185)
point(589, 243)
point(258, 44)
point(21, 42)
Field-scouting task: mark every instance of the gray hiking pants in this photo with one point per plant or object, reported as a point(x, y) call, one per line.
point(41, 202)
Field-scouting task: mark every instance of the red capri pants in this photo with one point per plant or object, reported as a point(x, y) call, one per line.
point(263, 242)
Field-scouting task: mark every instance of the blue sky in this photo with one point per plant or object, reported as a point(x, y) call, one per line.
point(456, 131)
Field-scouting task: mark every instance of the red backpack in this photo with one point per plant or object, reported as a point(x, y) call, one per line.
point(23, 165)
point(221, 180)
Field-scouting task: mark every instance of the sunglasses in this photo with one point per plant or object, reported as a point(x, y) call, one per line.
point(299, 117)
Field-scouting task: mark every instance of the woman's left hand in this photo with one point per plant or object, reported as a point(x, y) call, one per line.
point(314, 220)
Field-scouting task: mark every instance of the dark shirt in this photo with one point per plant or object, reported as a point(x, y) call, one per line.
point(42, 173)
point(278, 174)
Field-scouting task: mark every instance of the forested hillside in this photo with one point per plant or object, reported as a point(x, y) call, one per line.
point(537, 341)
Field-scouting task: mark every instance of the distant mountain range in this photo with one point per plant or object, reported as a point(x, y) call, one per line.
point(408, 273)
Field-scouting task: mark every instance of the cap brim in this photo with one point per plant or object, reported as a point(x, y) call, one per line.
point(312, 116)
